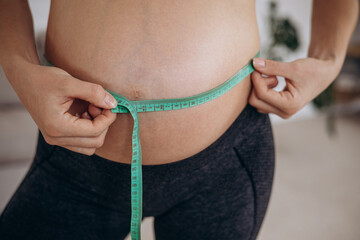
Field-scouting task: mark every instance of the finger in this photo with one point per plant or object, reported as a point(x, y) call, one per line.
point(281, 100)
point(77, 127)
point(274, 68)
point(86, 151)
point(92, 93)
point(82, 142)
point(86, 115)
point(94, 111)
point(264, 107)
point(271, 81)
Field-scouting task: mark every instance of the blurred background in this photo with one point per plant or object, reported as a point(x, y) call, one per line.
point(316, 192)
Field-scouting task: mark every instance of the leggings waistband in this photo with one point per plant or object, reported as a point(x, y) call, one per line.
point(125, 105)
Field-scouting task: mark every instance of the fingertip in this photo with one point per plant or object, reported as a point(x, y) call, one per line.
point(86, 115)
point(98, 96)
point(256, 77)
point(272, 82)
point(254, 74)
point(110, 100)
point(94, 111)
point(259, 63)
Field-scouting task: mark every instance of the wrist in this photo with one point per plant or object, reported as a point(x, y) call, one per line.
point(333, 60)
point(15, 68)
point(16, 63)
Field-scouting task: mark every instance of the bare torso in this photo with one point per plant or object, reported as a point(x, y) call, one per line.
point(158, 49)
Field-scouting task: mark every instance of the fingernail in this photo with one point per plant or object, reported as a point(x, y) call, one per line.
point(109, 100)
point(259, 62)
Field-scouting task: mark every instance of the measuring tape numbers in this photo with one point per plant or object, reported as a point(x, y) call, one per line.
point(135, 107)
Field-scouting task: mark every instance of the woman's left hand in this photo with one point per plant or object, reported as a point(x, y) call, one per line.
point(305, 79)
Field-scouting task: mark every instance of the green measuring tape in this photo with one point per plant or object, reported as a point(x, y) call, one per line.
point(134, 107)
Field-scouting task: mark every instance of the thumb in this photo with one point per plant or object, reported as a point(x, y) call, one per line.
point(274, 68)
point(91, 92)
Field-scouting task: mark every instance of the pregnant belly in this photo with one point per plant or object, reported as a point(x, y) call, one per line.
point(158, 51)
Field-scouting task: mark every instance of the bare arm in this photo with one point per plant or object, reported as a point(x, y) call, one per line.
point(48, 93)
point(16, 34)
point(333, 22)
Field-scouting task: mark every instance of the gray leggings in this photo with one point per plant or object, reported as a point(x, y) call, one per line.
point(221, 192)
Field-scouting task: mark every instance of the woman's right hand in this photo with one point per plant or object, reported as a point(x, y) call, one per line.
point(50, 94)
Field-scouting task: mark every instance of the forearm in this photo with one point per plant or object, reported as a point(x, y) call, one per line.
point(17, 43)
point(333, 22)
